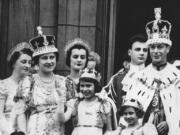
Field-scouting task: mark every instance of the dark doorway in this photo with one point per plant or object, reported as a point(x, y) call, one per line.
point(132, 16)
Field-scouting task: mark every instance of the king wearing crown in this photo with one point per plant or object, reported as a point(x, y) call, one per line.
point(157, 86)
point(158, 31)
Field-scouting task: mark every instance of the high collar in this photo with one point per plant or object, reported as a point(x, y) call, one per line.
point(159, 67)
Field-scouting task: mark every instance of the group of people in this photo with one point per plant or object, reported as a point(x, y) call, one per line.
point(152, 89)
point(137, 100)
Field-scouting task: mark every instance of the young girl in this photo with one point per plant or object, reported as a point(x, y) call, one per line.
point(132, 111)
point(90, 114)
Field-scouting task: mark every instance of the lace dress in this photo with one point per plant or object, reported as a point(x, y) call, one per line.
point(42, 98)
point(7, 92)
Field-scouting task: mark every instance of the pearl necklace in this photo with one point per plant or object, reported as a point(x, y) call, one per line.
point(49, 81)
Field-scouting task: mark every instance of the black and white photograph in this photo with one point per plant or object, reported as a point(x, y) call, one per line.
point(89, 67)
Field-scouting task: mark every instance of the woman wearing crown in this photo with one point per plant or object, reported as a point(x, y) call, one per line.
point(19, 61)
point(43, 91)
point(90, 114)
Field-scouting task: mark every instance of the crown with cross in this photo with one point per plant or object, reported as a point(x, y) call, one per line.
point(158, 30)
point(43, 44)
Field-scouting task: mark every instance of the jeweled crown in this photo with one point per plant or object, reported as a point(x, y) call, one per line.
point(74, 42)
point(158, 31)
point(132, 102)
point(89, 73)
point(19, 47)
point(43, 43)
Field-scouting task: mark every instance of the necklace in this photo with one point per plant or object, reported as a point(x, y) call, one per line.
point(48, 80)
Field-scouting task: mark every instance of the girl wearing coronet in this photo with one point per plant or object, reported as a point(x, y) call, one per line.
point(132, 111)
point(43, 91)
point(90, 114)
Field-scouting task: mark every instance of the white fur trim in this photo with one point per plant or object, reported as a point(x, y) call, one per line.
point(159, 40)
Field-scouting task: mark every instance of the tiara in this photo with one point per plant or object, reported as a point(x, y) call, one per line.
point(74, 42)
point(19, 47)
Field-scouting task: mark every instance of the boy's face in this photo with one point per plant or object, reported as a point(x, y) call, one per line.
point(138, 53)
point(87, 89)
point(130, 116)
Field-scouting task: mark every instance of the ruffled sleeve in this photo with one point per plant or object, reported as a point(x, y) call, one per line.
point(3, 91)
point(105, 107)
point(105, 111)
point(71, 88)
point(24, 88)
point(23, 96)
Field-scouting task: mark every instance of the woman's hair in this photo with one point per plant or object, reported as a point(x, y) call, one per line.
point(36, 58)
point(69, 52)
point(96, 83)
point(139, 112)
point(15, 56)
point(94, 57)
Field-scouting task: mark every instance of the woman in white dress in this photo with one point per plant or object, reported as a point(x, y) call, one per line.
point(43, 91)
point(19, 60)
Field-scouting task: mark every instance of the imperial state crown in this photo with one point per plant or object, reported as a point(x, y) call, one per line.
point(158, 30)
point(43, 43)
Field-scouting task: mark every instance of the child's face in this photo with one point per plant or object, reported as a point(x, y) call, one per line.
point(87, 89)
point(91, 64)
point(130, 116)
